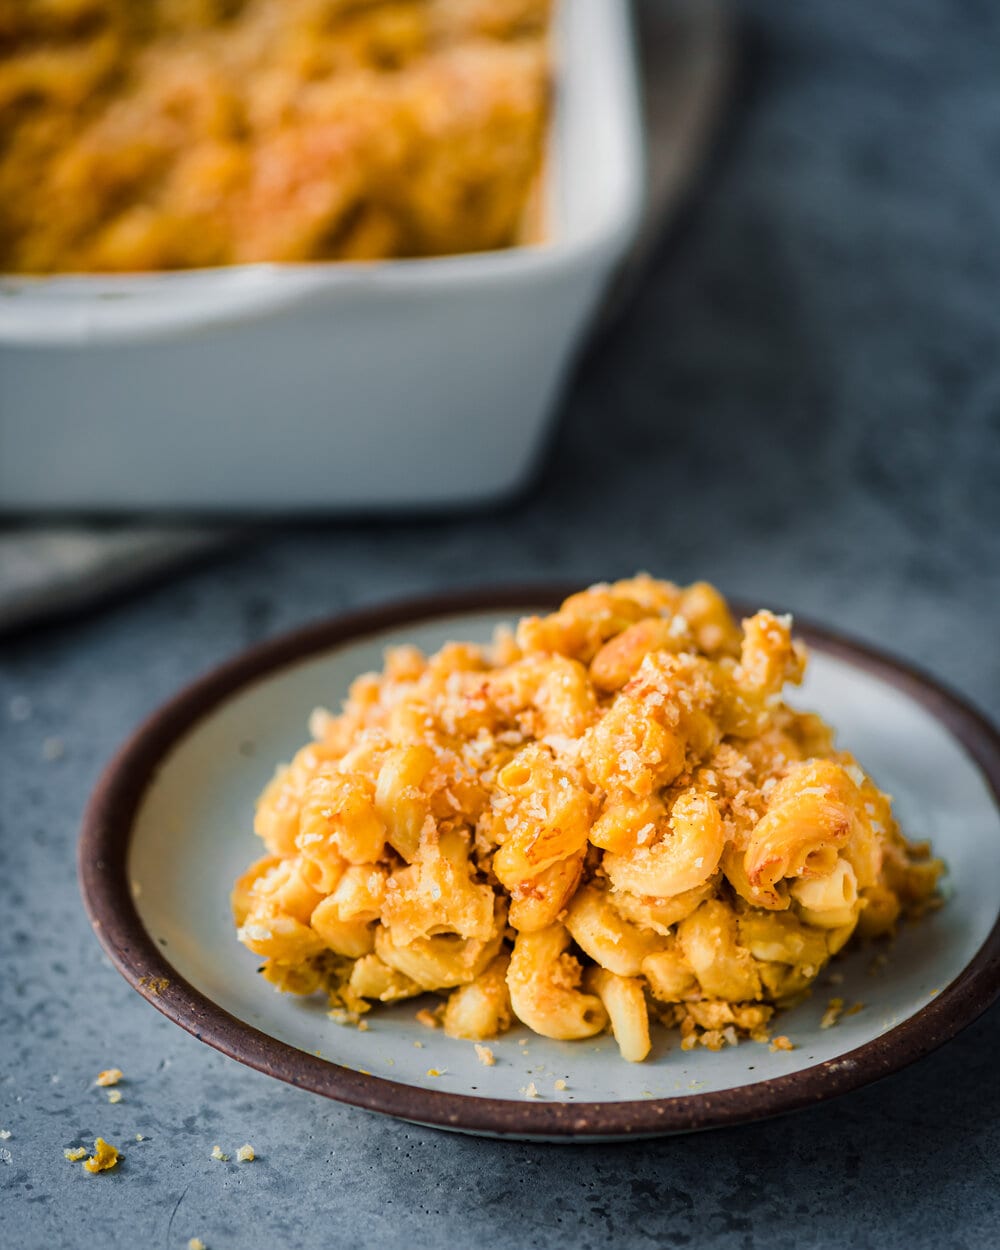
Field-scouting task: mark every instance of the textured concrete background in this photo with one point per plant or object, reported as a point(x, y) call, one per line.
point(803, 404)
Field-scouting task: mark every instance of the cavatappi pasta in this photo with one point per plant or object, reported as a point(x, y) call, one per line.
point(607, 818)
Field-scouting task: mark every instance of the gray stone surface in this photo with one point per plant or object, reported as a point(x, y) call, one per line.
point(803, 404)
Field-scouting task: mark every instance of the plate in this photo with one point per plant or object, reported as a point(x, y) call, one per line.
point(169, 828)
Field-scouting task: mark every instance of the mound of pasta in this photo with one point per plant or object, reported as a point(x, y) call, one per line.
point(607, 817)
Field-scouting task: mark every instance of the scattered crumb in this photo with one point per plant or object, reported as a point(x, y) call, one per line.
point(391, 1063)
point(560, 1085)
point(114, 1095)
point(103, 1159)
point(76, 1154)
point(427, 1018)
point(110, 1076)
point(834, 1010)
point(246, 1154)
point(781, 1042)
point(485, 1056)
point(522, 1041)
point(53, 749)
point(155, 985)
point(854, 1009)
point(530, 1090)
point(139, 1137)
point(340, 1016)
point(434, 1072)
point(196, 1243)
point(5, 1134)
point(217, 1154)
point(419, 1045)
point(362, 1026)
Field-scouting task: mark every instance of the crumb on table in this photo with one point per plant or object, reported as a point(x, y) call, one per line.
point(530, 1090)
point(246, 1154)
point(75, 1154)
point(485, 1055)
point(781, 1042)
point(217, 1154)
point(196, 1243)
point(110, 1076)
point(104, 1158)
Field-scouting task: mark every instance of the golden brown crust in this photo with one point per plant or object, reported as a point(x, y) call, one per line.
point(184, 133)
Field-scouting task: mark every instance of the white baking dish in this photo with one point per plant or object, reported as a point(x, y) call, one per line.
point(413, 383)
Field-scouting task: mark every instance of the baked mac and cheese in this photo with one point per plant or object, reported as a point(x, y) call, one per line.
point(606, 819)
point(170, 134)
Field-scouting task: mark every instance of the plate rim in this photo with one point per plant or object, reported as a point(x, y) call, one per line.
point(107, 827)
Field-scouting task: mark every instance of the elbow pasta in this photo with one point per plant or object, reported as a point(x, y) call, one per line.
point(609, 818)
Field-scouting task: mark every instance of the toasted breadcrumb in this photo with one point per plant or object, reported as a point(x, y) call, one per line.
point(781, 1042)
point(246, 1154)
point(110, 1076)
point(217, 1154)
point(530, 1090)
point(485, 1056)
point(196, 1243)
point(560, 1085)
point(75, 1154)
point(854, 1009)
point(104, 1158)
point(834, 1010)
point(434, 1072)
point(114, 1095)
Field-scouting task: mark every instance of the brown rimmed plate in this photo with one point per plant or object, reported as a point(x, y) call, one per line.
point(169, 827)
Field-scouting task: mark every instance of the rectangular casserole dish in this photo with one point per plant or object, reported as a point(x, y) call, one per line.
point(424, 383)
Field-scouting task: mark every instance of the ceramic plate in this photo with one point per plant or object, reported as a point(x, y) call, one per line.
point(169, 828)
